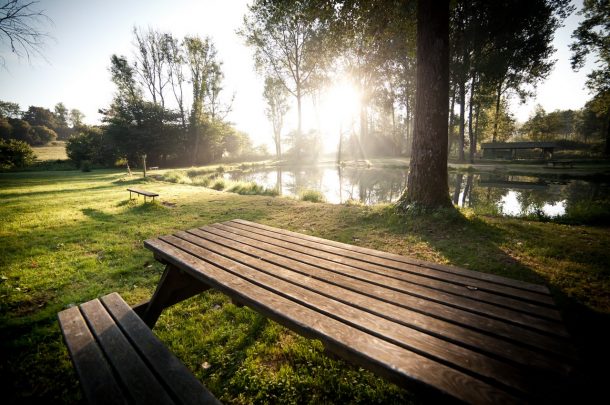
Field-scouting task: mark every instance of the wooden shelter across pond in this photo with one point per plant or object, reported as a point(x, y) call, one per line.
point(516, 150)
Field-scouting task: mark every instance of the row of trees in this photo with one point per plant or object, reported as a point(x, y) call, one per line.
point(168, 105)
point(574, 125)
point(497, 50)
point(38, 125)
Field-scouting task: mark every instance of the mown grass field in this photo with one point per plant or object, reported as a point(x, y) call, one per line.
point(53, 151)
point(68, 237)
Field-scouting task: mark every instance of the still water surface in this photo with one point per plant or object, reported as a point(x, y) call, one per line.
point(508, 195)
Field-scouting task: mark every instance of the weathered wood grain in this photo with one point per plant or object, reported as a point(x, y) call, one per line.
point(94, 372)
point(181, 383)
point(406, 367)
point(474, 337)
point(409, 260)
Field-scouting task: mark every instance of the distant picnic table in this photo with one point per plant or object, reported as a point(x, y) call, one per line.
point(450, 332)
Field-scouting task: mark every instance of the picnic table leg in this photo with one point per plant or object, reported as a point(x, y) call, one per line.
point(174, 286)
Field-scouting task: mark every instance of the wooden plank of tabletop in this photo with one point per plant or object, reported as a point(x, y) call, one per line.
point(404, 259)
point(457, 334)
point(459, 357)
point(397, 363)
point(507, 331)
point(414, 276)
point(465, 303)
point(461, 284)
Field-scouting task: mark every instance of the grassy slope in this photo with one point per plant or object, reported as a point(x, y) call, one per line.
point(55, 151)
point(68, 237)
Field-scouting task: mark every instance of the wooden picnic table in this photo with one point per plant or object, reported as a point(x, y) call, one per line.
point(452, 333)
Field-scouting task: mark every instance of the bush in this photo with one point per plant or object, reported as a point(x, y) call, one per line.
point(91, 144)
point(176, 176)
point(43, 135)
point(219, 184)
point(85, 166)
point(251, 188)
point(15, 153)
point(312, 196)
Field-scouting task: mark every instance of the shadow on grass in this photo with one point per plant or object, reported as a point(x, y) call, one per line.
point(47, 193)
point(478, 245)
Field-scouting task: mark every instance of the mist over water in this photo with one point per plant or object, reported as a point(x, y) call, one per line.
point(507, 195)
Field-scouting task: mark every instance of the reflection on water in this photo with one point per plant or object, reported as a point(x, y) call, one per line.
point(499, 194)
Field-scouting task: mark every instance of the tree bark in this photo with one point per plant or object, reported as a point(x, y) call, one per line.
point(497, 115)
point(462, 119)
point(607, 148)
point(471, 132)
point(451, 117)
point(427, 180)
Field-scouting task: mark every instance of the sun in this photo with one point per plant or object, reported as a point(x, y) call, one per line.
point(339, 110)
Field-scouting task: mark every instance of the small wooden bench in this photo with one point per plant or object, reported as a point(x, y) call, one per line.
point(119, 360)
point(142, 192)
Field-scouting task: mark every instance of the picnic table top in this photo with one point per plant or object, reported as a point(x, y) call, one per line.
point(452, 332)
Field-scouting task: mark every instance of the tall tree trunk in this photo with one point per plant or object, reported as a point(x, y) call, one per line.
point(363, 130)
point(408, 124)
point(607, 148)
point(462, 119)
point(471, 132)
point(497, 114)
point(451, 117)
point(427, 183)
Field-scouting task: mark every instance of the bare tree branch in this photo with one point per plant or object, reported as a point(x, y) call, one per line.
point(20, 29)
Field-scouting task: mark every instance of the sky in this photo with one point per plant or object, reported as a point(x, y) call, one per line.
point(87, 32)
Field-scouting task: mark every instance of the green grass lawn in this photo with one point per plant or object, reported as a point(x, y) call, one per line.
point(54, 151)
point(68, 237)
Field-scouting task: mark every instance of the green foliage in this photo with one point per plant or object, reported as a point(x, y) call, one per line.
point(15, 154)
point(9, 110)
point(593, 37)
point(93, 145)
point(40, 116)
point(587, 212)
point(251, 188)
point(5, 128)
point(314, 196)
point(85, 165)
point(177, 176)
point(219, 184)
point(43, 135)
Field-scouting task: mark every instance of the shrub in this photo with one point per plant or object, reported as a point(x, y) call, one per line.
point(85, 166)
point(312, 196)
point(201, 180)
point(176, 176)
point(91, 144)
point(251, 188)
point(43, 135)
point(219, 184)
point(15, 153)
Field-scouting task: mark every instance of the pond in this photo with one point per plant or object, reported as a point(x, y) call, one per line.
point(508, 195)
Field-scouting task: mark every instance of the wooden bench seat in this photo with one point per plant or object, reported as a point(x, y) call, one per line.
point(143, 193)
point(119, 360)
